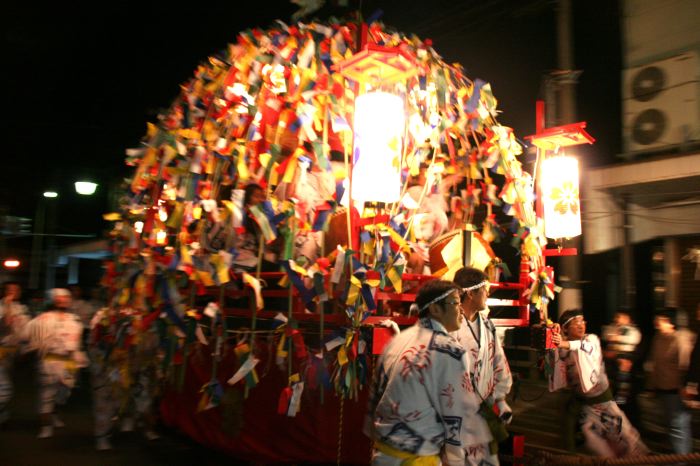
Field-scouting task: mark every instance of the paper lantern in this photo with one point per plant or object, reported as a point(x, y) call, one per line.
point(161, 237)
point(560, 197)
point(379, 126)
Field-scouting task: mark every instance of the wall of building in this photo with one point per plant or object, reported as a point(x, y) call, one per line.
point(660, 222)
point(648, 185)
point(657, 29)
point(661, 75)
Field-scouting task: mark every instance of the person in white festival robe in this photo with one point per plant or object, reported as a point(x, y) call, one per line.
point(578, 364)
point(57, 336)
point(13, 321)
point(417, 399)
point(489, 371)
point(125, 375)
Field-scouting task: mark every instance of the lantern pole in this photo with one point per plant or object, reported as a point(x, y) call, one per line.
point(381, 66)
point(553, 139)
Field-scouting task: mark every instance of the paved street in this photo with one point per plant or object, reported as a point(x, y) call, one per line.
point(73, 445)
point(536, 415)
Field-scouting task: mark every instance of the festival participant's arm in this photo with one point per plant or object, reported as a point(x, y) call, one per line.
point(557, 374)
point(19, 325)
point(631, 336)
point(76, 346)
point(503, 380)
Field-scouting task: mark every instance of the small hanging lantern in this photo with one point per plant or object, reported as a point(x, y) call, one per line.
point(558, 202)
point(560, 197)
point(161, 237)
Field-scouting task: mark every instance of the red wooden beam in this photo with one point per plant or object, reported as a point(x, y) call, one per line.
point(560, 252)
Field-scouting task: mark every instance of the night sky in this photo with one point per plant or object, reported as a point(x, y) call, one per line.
point(83, 80)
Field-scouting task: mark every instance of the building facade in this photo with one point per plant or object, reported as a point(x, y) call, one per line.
point(641, 216)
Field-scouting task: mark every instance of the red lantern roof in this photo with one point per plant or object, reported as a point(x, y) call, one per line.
point(561, 136)
point(378, 63)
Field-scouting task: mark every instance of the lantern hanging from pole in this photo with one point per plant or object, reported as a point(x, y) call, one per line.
point(379, 119)
point(378, 126)
point(560, 197)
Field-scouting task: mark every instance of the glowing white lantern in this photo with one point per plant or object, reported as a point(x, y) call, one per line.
point(379, 126)
point(560, 197)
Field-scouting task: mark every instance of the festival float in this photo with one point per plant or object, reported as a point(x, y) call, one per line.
point(285, 209)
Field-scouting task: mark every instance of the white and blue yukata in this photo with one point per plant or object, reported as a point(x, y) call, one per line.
point(490, 379)
point(606, 429)
point(418, 401)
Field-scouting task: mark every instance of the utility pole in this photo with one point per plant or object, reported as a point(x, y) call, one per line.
point(565, 79)
point(36, 260)
point(629, 291)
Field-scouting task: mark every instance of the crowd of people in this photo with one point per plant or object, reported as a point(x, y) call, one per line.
point(439, 393)
point(59, 339)
point(439, 390)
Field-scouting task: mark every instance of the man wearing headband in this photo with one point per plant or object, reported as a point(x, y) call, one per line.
point(416, 403)
point(578, 365)
point(489, 372)
point(57, 336)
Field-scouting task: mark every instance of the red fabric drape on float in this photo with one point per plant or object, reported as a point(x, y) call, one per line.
point(266, 436)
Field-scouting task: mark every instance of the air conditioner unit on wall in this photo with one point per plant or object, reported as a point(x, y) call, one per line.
point(660, 103)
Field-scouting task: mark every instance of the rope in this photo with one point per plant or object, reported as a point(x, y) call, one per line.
point(340, 430)
point(544, 457)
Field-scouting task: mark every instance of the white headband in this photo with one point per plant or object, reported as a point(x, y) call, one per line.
point(476, 287)
point(442, 296)
point(566, 322)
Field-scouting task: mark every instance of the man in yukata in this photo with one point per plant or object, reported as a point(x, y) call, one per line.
point(578, 364)
point(417, 400)
point(489, 372)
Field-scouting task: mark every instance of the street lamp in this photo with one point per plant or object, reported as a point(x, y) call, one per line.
point(85, 188)
point(11, 263)
point(40, 219)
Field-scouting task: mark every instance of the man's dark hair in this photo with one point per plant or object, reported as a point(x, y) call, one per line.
point(469, 276)
point(669, 313)
point(567, 315)
point(248, 223)
point(250, 189)
point(431, 290)
point(626, 311)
